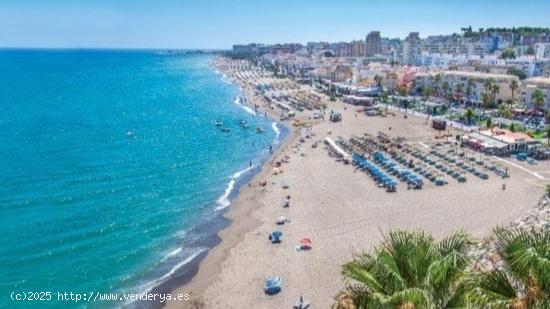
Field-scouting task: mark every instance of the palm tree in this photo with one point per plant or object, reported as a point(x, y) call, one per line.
point(537, 97)
point(409, 270)
point(524, 279)
point(458, 90)
point(514, 85)
point(495, 88)
point(469, 114)
point(486, 98)
point(469, 89)
point(437, 82)
point(488, 84)
point(378, 79)
point(445, 87)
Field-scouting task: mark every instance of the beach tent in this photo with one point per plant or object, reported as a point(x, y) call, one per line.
point(273, 285)
point(275, 237)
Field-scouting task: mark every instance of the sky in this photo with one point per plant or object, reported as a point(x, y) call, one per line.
point(219, 24)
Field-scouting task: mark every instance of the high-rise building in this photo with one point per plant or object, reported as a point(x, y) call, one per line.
point(373, 45)
point(412, 49)
point(358, 48)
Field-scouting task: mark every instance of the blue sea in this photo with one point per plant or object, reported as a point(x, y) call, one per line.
point(113, 175)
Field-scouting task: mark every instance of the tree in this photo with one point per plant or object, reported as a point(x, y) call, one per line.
point(437, 82)
point(523, 280)
point(428, 92)
point(537, 98)
point(487, 102)
point(458, 90)
point(469, 114)
point(505, 111)
point(508, 53)
point(548, 137)
point(495, 88)
point(517, 72)
point(489, 123)
point(445, 88)
point(514, 85)
point(378, 79)
point(513, 127)
point(409, 270)
point(488, 83)
point(469, 89)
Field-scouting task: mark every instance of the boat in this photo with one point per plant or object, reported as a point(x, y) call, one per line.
point(224, 129)
point(260, 130)
point(218, 123)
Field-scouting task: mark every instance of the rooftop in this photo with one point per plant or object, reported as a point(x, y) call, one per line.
point(507, 136)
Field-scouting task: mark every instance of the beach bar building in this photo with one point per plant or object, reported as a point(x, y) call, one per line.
point(499, 142)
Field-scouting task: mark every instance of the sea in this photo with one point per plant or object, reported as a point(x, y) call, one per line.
point(113, 174)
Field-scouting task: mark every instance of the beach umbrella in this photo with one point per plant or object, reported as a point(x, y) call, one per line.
point(273, 285)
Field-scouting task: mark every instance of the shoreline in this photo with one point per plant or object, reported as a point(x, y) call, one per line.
point(233, 218)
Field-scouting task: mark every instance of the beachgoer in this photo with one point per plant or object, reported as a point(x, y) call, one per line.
point(250, 163)
point(270, 148)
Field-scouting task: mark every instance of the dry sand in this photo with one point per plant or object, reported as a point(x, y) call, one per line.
point(344, 213)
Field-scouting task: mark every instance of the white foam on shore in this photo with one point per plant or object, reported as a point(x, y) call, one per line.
point(223, 201)
point(277, 132)
point(171, 254)
point(246, 108)
point(147, 287)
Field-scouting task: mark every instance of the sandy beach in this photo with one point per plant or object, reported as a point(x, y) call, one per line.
point(342, 211)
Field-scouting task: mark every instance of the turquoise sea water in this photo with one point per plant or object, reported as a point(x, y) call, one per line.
point(109, 161)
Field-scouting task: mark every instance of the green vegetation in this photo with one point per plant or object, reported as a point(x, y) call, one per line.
point(469, 114)
point(411, 270)
point(508, 53)
point(517, 72)
point(514, 85)
point(428, 92)
point(524, 279)
point(505, 111)
point(537, 98)
point(378, 79)
point(489, 123)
